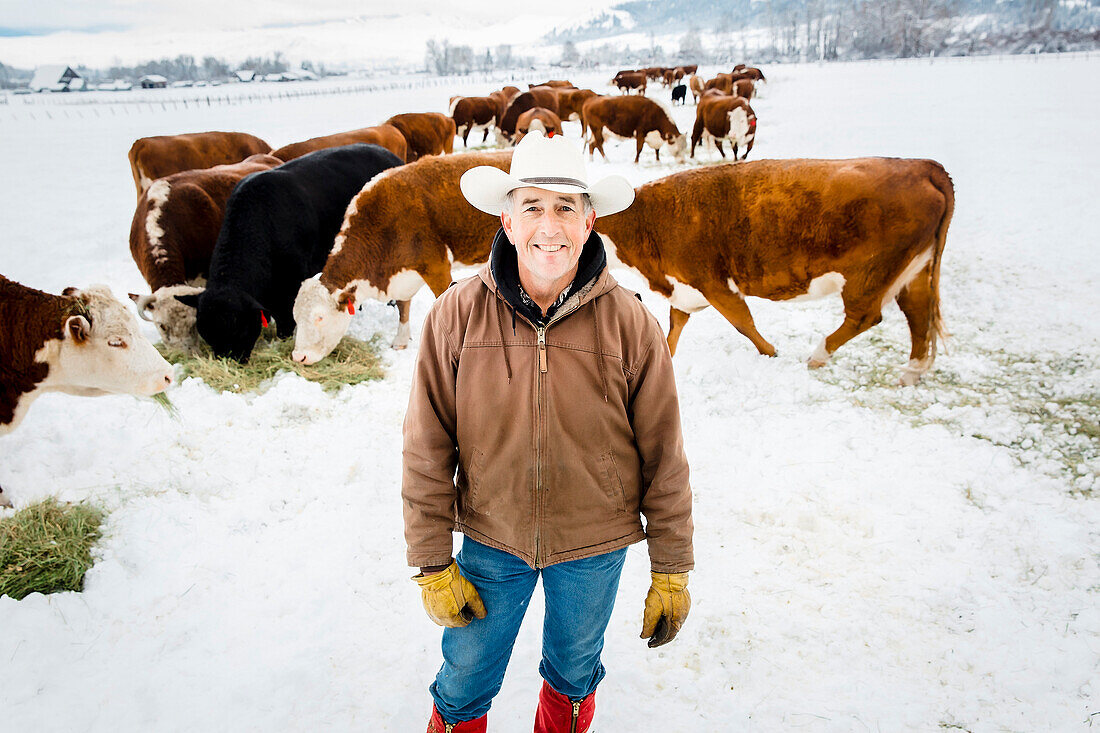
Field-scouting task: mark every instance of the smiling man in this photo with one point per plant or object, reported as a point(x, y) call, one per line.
point(543, 425)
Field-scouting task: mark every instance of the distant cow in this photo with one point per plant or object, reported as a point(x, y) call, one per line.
point(559, 83)
point(156, 157)
point(697, 87)
point(669, 77)
point(738, 67)
point(690, 68)
point(471, 114)
point(82, 342)
point(744, 88)
point(427, 133)
point(633, 80)
point(387, 136)
point(172, 238)
point(538, 118)
point(570, 102)
point(544, 97)
point(392, 242)
point(754, 73)
point(679, 94)
point(722, 82)
point(632, 117)
point(876, 233)
point(724, 118)
point(279, 228)
point(503, 98)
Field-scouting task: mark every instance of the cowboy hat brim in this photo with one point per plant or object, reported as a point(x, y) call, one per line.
point(487, 189)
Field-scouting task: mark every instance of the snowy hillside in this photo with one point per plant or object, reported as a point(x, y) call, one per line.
point(868, 557)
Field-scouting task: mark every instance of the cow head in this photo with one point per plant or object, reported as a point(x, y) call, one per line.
point(102, 350)
point(175, 321)
point(321, 319)
point(228, 319)
point(677, 145)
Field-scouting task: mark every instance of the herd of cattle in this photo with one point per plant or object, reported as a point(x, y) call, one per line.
point(230, 234)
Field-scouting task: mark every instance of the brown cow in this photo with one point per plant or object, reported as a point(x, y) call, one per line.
point(538, 118)
point(690, 68)
point(724, 118)
point(406, 228)
point(669, 77)
point(744, 88)
point(545, 97)
point(427, 133)
point(754, 73)
point(632, 80)
point(653, 73)
point(474, 113)
point(559, 83)
point(570, 102)
point(172, 237)
point(155, 157)
point(638, 117)
point(712, 235)
point(386, 136)
point(696, 86)
point(722, 82)
point(738, 67)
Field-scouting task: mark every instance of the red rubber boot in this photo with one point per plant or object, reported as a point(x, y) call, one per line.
point(437, 725)
point(558, 714)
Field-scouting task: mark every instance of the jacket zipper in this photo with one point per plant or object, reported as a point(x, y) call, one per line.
point(541, 331)
point(576, 714)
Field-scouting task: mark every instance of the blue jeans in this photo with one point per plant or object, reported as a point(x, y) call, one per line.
point(579, 597)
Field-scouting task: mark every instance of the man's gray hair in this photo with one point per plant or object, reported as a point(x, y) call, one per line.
point(511, 197)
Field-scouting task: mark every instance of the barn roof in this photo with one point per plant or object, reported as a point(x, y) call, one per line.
point(53, 76)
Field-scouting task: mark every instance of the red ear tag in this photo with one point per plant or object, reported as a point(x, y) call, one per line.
point(351, 308)
point(550, 134)
point(263, 319)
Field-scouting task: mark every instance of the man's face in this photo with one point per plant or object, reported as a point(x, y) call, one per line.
point(548, 230)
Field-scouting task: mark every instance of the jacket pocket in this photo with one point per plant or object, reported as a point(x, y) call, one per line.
point(611, 482)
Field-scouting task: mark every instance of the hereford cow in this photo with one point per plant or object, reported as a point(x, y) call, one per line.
point(544, 97)
point(871, 229)
point(538, 118)
point(172, 237)
point(156, 157)
point(724, 118)
point(679, 94)
point(738, 67)
point(503, 98)
point(631, 117)
point(754, 73)
point(386, 136)
point(558, 83)
point(427, 133)
point(690, 68)
point(744, 88)
point(669, 77)
point(722, 82)
point(472, 114)
point(570, 102)
point(404, 229)
point(632, 80)
point(697, 88)
point(279, 227)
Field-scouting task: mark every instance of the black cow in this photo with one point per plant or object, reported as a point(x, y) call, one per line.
point(679, 93)
point(279, 228)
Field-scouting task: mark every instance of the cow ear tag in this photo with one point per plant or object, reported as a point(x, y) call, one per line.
point(351, 308)
point(263, 319)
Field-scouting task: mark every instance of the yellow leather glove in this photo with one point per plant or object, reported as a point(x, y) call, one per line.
point(666, 607)
point(449, 598)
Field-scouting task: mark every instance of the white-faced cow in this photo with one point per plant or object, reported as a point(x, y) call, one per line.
point(172, 238)
point(156, 157)
point(871, 229)
point(472, 114)
point(639, 118)
point(724, 118)
point(540, 119)
point(407, 227)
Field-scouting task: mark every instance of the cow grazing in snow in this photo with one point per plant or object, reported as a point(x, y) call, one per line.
point(279, 227)
point(697, 87)
point(156, 157)
point(876, 233)
point(172, 237)
point(537, 118)
point(407, 227)
point(386, 136)
point(626, 81)
point(722, 117)
point(471, 114)
point(426, 133)
point(679, 94)
point(631, 117)
point(544, 97)
point(571, 101)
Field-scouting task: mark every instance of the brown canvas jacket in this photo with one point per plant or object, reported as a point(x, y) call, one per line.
point(549, 444)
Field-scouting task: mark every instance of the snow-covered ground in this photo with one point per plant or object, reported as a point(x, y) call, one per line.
point(868, 557)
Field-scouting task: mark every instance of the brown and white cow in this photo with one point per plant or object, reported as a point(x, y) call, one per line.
point(426, 133)
point(503, 98)
point(570, 102)
point(690, 68)
point(744, 88)
point(871, 229)
point(407, 227)
point(387, 136)
point(472, 114)
point(631, 117)
point(754, 73)
point(722, 82)
point(538, 118)
point(545, 97)
point(172, 237)
point(720, 117)
point(631, 80)
point(697, 87)
point(558, 83)
point(156, 157)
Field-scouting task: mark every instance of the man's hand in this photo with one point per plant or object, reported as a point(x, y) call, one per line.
point(449, 598)
point(666, 607)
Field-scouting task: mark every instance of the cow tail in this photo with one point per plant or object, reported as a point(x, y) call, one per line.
point(942, 181)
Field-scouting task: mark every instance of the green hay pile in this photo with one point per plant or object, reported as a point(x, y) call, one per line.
point(46, 548)
point(351, 362)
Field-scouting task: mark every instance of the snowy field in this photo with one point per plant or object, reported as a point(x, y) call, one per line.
point(869, 557)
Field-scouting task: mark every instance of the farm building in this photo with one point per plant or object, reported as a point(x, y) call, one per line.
point(56, 78)
point(153, 81)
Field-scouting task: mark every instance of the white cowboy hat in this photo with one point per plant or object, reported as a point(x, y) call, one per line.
point(553, 164)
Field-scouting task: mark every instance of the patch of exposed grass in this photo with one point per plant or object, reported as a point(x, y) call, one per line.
point(46, 548)
point(351, 362)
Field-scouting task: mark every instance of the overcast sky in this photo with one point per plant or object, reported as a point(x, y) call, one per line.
point(21, 17)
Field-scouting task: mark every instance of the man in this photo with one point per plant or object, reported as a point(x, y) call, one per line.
point(542, 424)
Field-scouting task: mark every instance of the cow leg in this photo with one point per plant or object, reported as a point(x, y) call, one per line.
point(404, 331)
point(485, 136)
point(735, 151)
point(465, 134)
point(641, 144)
point(677, 319)
point(718, 144)
point(917, 302)
point(854, 324)
point(733, 308)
